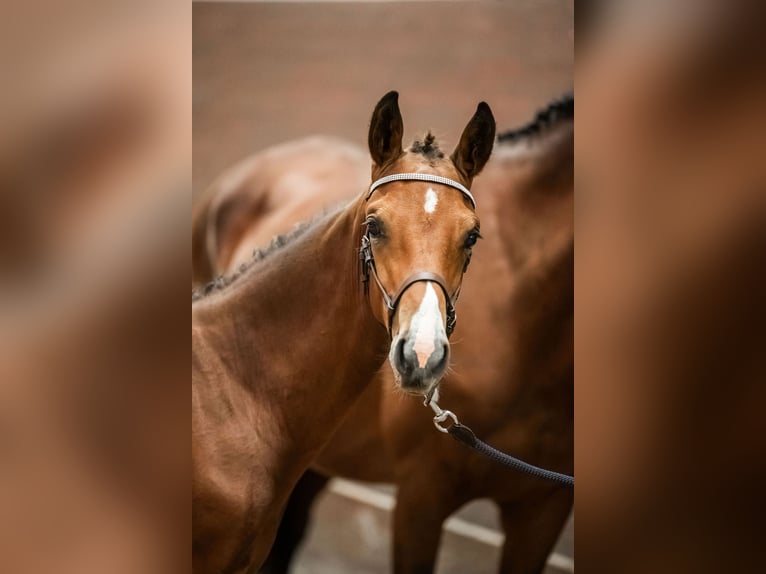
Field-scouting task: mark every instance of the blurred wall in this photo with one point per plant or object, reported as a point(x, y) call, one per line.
point(268, 72)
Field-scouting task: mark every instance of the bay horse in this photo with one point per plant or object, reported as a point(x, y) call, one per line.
point(282, 349)
point(512, 379)
point(514, 386)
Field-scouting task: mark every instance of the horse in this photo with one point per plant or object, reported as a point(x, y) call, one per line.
point(283, 348)
point(512, 379)
point(249, 203)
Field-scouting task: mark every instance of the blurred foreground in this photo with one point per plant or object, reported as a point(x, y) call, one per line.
point(95, 157)
point(670, 312)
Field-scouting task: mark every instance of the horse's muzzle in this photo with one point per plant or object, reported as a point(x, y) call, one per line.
point(416, 373)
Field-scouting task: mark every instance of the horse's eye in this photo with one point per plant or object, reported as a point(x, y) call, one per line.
point(374, 228)
point(471, 239)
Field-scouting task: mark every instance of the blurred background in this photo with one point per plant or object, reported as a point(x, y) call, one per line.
point(268, 72)
point(265, 73)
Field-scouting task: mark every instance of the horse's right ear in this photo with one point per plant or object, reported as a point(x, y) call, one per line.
point(386, 130)
point(475, 145)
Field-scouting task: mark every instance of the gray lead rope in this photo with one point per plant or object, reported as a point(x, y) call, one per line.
point(462, 433)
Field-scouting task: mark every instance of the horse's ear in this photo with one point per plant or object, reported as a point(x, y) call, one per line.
point(476, 143)
point(386, 130)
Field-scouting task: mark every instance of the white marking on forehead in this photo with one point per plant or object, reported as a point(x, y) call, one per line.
point(425, 325)
point(431, 201)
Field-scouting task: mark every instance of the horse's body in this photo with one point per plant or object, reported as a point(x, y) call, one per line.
point(283, 350)
point(248, 446)
point(252, 201)
point(512, 373)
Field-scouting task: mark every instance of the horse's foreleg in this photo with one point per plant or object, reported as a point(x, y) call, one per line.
point(421, 508)
point(294, 523)
point(532, 527)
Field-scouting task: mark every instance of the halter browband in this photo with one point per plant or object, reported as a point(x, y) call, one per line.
point(368, 260)
point(422, 177)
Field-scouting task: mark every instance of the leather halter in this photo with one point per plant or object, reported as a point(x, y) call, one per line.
point(368, 260)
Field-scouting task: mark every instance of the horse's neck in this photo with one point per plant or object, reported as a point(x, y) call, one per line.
point(551, 153)
point(542, 298)
point(301, 337)
point(549, 292)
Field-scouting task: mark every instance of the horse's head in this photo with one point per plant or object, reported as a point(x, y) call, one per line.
point(420, 227)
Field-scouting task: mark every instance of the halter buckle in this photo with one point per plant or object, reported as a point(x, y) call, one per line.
point(451, 318)
point(365, 258)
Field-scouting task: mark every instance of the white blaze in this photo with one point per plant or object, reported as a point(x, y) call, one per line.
point(431, 201)
point(424, 325)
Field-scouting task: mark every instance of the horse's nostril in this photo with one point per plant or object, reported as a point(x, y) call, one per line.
point(441, 360)
point(401, 361)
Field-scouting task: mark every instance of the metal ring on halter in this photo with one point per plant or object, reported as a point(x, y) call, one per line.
point(422, 177)
point(441, 417)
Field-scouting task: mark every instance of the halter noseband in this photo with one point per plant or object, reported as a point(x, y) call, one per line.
point(368, 260)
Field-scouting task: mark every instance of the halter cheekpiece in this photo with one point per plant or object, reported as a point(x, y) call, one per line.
point(368, 260)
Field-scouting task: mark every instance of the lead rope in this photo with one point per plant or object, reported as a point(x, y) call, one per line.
point(462, 433)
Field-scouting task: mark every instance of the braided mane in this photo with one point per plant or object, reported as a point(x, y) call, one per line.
point(556, 112)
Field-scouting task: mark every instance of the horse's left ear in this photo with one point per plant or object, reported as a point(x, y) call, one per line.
point(476, 143)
